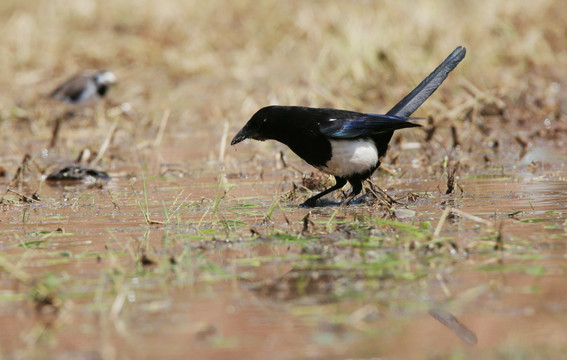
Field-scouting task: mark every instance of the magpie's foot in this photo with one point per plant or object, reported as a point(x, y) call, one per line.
point(309, 203)
point(351, 199)
point(354, 200)
point(348, 200)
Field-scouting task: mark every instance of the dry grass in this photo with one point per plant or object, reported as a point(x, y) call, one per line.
point(208, 62)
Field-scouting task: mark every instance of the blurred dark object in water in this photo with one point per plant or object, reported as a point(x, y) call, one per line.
point(453, 324)
point(77, 173)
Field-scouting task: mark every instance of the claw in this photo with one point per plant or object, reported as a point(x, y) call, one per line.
point(309, 203)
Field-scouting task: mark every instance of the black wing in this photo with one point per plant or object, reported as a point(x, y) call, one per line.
point(72, 88)
point(362, 125)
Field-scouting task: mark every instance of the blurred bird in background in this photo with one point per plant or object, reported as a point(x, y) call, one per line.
point(84, 88)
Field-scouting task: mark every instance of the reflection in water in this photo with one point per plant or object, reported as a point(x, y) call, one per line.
point(347, 285)
point(453, 324)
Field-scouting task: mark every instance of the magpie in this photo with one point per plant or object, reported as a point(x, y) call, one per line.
point(345, 144)
point(84, 88)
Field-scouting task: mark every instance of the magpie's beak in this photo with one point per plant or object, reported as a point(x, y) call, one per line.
point(242, 135)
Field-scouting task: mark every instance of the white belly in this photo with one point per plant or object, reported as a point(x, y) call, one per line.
point(351, 157)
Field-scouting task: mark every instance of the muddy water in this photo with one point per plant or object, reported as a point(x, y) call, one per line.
point(209, 260)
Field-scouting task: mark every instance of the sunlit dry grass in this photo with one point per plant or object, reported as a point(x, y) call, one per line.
point(210, 62)
point(207, 60)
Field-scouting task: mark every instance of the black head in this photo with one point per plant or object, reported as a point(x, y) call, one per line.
point(263, 125)
point(103, 80)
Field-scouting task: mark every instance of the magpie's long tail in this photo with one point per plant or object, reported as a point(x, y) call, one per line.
point(414, 99)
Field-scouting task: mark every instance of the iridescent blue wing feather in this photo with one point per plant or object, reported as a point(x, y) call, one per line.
point(363, 125)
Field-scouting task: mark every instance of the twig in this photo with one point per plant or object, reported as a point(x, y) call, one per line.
point(223, 140)
point(449, 210)
point(441, 222)
point(113, 201)
point(451, 178)
point(26, 198)
point(14, 271)
point(18, 177)
point(162, 126)
point(471, 217)
point(374, 187)
point(106, 142)
point(55, 132)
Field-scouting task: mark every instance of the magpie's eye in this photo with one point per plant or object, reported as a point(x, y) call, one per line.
point(265, 119)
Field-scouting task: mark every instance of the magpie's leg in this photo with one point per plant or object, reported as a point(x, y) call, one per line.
point(339, 183)
point(356, 189)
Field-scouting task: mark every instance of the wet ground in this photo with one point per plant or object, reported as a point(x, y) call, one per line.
point(218, 260)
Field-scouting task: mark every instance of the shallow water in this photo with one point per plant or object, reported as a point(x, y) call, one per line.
point(231, 270)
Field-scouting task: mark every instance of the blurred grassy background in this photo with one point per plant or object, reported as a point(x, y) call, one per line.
point(213, 61)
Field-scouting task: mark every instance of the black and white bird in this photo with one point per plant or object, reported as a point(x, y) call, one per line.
point(85, 88)
point(345, 144)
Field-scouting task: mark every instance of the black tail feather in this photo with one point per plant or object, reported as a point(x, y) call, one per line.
point(414, 99)
point(417, 96)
